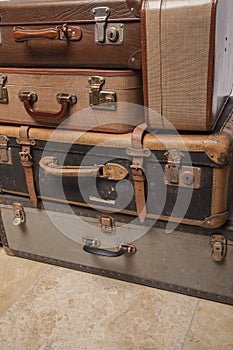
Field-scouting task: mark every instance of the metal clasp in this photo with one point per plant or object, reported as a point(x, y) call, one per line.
point(113, 171)
point(19, 214)
point(100, 14)
point(101, 99)
point(218, 245)
point(107, 223)
point(3, 89)
point(5, 152)
point(182, 176)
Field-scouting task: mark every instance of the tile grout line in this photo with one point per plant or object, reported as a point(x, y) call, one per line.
point(25, 291)
point(190, 324)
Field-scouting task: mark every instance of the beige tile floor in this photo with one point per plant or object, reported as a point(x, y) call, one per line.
point(43, 307)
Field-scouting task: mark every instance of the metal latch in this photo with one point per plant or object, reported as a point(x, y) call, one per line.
point(107, 223)
point(100, 14)
point(218, 245)
point(113, 171)
point(101, 99)
point(5, 152)
point(182, 176)
point(3, 89)
point(19, 214)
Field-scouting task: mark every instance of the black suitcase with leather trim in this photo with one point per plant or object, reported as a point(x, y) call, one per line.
point(173, 177)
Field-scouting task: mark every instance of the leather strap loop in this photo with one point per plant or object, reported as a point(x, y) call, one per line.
point(137, 170)
point(26, 161)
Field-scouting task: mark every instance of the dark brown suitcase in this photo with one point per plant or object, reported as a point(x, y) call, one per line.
point(76, 33)
point(183, 178)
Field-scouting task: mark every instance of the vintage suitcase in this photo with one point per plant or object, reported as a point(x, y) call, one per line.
point(76, 33)
point(177, 178)
point(187, 61)
point(103, 100)
point(180, 261)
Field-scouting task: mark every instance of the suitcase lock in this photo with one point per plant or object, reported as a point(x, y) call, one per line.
point(3, 90)
point(218, 245)
point(19, 214)
point(107, 33)
point(101, 99)
point(182, 176)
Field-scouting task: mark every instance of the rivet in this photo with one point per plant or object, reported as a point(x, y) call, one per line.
point(132, 9)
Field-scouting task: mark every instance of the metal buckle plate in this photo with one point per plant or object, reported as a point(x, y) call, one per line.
point(101, 99)
point(19, 214)
point(107, 223)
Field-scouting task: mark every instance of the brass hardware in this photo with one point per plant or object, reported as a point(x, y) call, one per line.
point(101, 99)
point(31, 96)
point(19, 214)
point(100, 15)
point(92, 242)
point(218, 245)
point(186, 176)
point(114, 171)
point(70, 98)
point(174, 157)
point(3, 90)
point(131, 248)
point(107, 223)
point(5, 152)
point(8, 251)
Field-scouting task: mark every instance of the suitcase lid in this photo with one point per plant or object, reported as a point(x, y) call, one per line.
point(17, 12)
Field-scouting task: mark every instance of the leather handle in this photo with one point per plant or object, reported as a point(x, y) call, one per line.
point(122, 249)
point(62, 32)
point(65, 100)
point(50, 166)
point(109, 171)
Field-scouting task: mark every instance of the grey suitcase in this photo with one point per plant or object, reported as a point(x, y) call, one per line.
point(120, 248)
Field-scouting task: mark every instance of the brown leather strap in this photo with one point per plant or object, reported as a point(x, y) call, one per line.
point(138, 153)
point(26, 161)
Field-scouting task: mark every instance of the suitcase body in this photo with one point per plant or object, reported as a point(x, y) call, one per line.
point(188, 72)
point(180, 261)
point(186, 177)
point(103, 100)
point(77, 33)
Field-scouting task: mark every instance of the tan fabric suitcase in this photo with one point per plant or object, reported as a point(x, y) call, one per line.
point(187, 61)
point(103, 100)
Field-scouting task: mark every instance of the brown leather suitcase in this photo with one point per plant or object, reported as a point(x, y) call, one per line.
point(101, 100)
point(76, 33)
point(166, 176)
point(187, 62)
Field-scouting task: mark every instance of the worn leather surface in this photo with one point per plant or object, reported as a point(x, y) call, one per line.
point(36, 15)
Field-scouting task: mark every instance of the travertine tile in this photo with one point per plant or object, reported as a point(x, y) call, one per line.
point(212, 327)
point(16, 275)
point(72, 310)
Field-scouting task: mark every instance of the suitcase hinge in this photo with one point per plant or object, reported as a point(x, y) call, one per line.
point(5, 152)
point(19, 214)
point(218, 245)
point(107, 223)
point(101, 99)
point(182, 176)
point(3, 89)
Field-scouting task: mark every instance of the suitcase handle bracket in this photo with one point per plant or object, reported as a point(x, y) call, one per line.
point(28, 98)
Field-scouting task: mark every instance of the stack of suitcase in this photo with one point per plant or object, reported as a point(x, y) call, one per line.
point(116, 126)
